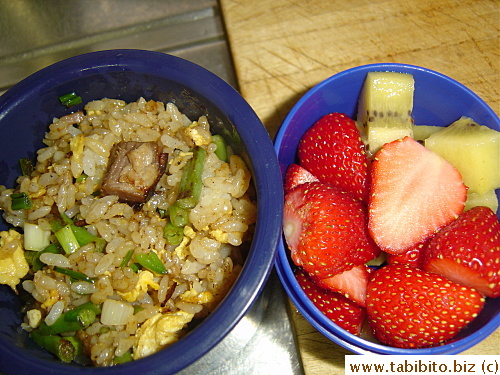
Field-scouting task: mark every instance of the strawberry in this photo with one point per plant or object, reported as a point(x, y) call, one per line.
point(414, 193)
point(332, 150)
point(351, 283)
point(410, 308)
point(467, 251)
point(296, 175)
point(341, 310)
point(326, 229)
point(413, 256)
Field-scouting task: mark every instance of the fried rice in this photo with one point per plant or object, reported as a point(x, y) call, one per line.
point(140, 309)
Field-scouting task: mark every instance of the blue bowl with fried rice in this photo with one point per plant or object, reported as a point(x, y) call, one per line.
point(29, 107)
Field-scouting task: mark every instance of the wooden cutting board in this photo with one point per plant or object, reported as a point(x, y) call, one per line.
point(281, 48)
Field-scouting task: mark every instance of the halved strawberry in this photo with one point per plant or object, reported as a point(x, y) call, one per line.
point(341, 310)
point(297, 175)
point(413, 257)
point(414, 193)
point(332, 150)
point(351, 283)
point(467, 251)
point(326, 229)
point(410, 308)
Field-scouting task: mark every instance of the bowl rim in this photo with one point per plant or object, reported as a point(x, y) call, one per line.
point(267, 182)
point(284, 269)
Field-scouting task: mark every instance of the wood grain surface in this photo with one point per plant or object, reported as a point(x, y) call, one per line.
point(281, 48)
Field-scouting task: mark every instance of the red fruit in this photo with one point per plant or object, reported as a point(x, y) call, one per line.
point(410, 308)
point(414, 193)
point(332, 150)
point(326, 229)
point(413, 257)
point(351, 283)
point(467, 251)
point(297, 175)
point(339, 309)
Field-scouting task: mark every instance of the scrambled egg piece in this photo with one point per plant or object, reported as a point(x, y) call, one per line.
point(145, 281)
point(53, 298)
point(34, 318)
point(40, 192)
point(220, 235)
point(76, 146)
point(191, 296)
point(159, 331)
point(199, 136)
point(13, 265)
point(182, 249)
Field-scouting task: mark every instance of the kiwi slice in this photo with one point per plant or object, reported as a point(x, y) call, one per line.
point(422, 132)
point(488, 199)
point(385, 108)
point(473, 149)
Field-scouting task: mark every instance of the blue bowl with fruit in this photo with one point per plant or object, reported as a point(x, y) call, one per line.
point(391, 232)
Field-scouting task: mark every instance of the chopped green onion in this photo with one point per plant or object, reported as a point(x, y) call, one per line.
point(74, 315)
point(188, 202)
point(81, 178)
point(62, 348)
point(189, 189)
point(70, 99)
point(135, 267)
point(179, 216)
point(66, 219)
point(151, 262)
point(137, 308)
point(56, 225)
point(85, 318)
point(35, 238)
point(191, 183)
point(37, 264)
point(26, 166)
point(84, 237)
point(76, 343)
point(221, 150)
point(162, 212)
point(67, 239)
point(124, 358)
point(81, 234)
point(30, 257)
point(126, 258)
point(20, 201)
point(104, 330)
point(116, 313)
point(74, 274)
point(173, 234)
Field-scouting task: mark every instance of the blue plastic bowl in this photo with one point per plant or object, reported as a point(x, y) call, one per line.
point(27, 109)
point(439, 100)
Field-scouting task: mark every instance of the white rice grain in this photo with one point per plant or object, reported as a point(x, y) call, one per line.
point(83, 287)
point(104, 263)
point(191, 308)
point(55, 313)
point(57, 260)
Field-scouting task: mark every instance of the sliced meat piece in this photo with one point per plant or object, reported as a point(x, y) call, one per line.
point(134, 170)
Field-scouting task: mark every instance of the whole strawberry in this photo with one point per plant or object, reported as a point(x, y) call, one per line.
point(334, 306)
point(332, 150)
point(410, 308)
point(296, 175)
point(351, 283)
point(467, 251)
point(413, 256)
point(326, 229)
